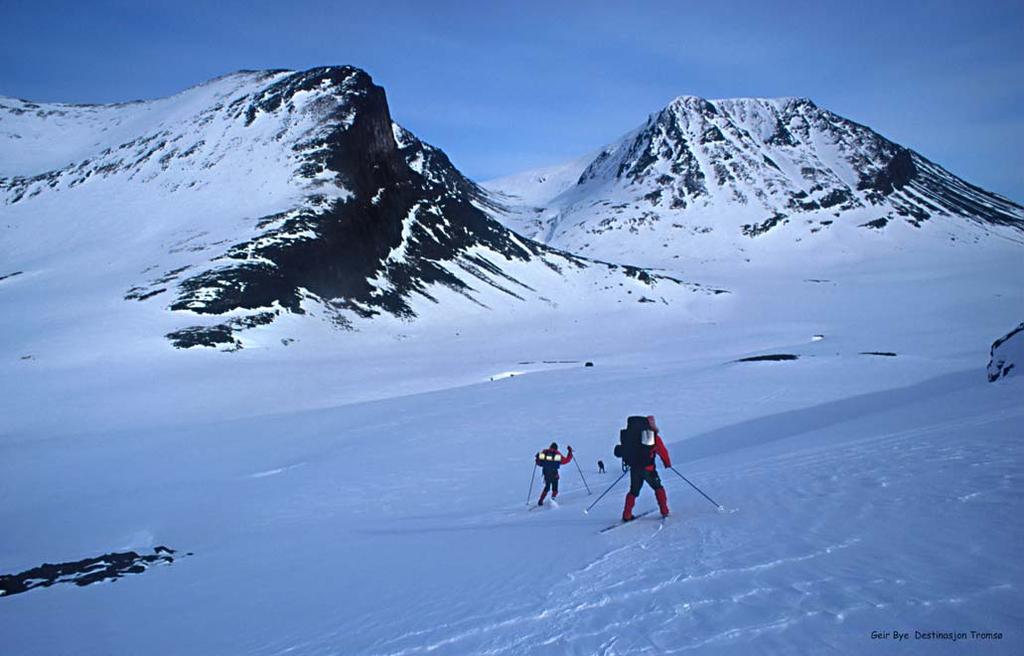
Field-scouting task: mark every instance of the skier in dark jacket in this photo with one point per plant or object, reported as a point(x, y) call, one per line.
point(645, 471)
point(549, 460)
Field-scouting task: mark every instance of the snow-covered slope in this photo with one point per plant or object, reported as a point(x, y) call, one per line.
point(255, 196)
point(864, 492)
point(368, 495)
point(537, 187)
point(750, 178)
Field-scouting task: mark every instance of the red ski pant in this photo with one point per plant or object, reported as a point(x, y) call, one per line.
point(637, 478)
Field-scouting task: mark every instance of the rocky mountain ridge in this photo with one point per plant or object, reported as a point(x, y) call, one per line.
point(272, 193)
point(720, 175)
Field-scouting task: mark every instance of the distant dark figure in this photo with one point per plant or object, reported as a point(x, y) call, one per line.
point(549, 460)
point(600, 466)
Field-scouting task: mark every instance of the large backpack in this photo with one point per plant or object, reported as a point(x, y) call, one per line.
point(635, 442)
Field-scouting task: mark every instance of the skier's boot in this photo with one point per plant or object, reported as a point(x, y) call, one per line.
point(662, 501)
point(627, 511)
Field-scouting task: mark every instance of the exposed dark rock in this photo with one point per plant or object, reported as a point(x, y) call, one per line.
point(108, 567)
point(1006, 354)
point(220, 336)
point(11, 275)
point(770, 162)
point(773, 357)
point(841, 196)
point(653, 197)
point(782, 136)
point(755, 229)
point(896, 173)
point(877, 224)
point(711, 135)
point(887, 354)
point(140, 294)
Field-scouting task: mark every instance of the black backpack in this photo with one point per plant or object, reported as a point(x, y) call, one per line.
point(548, 460)
point(630, 447)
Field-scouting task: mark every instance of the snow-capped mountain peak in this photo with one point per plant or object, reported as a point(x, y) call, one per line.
point(258, 195)
point(726, 171)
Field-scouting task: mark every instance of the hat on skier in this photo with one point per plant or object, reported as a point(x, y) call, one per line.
point(554, 446)
point(651, 422)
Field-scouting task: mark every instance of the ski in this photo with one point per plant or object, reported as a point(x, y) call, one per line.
point(621, 523)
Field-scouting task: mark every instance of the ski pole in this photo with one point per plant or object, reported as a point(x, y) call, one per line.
point(581, 476)
point(530, 493)
point(720, 507)
point(605, 492)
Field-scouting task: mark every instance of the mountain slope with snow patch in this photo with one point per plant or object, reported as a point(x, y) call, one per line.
point(751, 178)
point(261, 195)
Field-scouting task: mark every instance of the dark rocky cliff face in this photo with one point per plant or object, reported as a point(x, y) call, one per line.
point(350, 236)
point(407, 222)
point(265, 193)
point(408, 211)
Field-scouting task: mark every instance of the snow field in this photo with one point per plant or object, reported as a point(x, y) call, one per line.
point(364, 492)
point(868, 493)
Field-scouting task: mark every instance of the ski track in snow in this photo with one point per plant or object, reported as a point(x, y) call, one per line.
point(891, 510)
point(710, 567)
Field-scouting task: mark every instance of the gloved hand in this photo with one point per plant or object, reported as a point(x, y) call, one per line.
point(569, 448)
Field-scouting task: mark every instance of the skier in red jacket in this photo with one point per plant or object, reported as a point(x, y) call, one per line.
point(646, 471)
point(549, 460)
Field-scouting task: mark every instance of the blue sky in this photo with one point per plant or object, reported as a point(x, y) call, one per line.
point(508, 86)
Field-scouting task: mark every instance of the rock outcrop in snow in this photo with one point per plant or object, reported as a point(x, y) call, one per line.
point(1006, 355)
point(718, 176)
point(267, 193)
